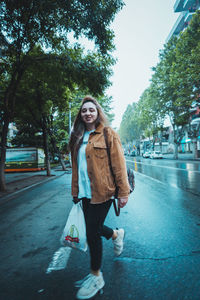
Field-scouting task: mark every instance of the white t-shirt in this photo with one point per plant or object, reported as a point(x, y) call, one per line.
point(83, 179)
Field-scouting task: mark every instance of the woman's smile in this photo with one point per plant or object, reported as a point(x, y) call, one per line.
point(89, 114)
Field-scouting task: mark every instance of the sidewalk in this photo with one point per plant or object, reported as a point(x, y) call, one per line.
point(18, 182)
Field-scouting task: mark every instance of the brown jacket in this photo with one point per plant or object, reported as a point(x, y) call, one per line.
point(102, 183)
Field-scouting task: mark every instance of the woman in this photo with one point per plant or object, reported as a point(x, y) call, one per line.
point(93, 184)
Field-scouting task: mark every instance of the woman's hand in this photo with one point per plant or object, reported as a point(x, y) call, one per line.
point(122, 201)
point(75, 200)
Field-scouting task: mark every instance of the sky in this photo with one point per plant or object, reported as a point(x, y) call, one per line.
point(141, 29)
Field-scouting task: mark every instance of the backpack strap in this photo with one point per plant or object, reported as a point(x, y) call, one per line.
point(117, 208)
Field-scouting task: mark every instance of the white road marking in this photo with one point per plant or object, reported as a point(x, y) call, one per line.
point(167, 167)
point(59, 260)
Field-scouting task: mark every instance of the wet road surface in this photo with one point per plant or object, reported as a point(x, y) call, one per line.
point(185, 175)
point(161, 258)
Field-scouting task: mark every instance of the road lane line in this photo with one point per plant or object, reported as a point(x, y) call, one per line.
point(136, 167)
point(59, 260)
point(138, 162)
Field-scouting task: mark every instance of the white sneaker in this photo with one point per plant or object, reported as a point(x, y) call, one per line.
point(79, 283)
point(119, 242)
point(91, 286)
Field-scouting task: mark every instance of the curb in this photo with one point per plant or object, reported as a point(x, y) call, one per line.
point(10, 196)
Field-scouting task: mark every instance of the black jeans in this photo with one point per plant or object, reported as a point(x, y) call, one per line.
point(95, 215)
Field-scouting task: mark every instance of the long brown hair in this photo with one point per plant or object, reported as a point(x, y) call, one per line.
point(79, 126)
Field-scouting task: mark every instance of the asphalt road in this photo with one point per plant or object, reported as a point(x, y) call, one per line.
point(161, 258)
point(180, 174)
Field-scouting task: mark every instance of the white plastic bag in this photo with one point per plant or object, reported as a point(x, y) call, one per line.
point(74, 233)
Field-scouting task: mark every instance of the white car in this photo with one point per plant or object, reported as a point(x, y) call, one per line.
point(156, 154)
point(146, 154)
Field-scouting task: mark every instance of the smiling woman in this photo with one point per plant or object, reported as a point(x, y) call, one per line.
point(89, 115)
point(93, 184)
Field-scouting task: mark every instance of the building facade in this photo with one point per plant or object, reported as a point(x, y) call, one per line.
point(185, 8)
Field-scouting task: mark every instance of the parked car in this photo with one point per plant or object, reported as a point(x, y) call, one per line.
point(146, 154)
point(156, 154)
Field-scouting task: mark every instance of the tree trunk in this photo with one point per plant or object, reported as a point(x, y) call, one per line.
point(197, 134)
point(62, 164)
point(175, 142)
point(175, 150)
point(160, 147)
point(195, 148)
point(57, 151)
point(9, 106)
point(46, 149)
point(3, 154)
point(153, 145)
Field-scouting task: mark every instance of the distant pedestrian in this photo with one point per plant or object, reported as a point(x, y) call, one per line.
point(93, 184)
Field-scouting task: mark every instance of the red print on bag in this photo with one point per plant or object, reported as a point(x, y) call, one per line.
point(73, 235)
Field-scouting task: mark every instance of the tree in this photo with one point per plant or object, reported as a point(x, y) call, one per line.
point(27, 23)
point(42, 92)
point(174, 107)
point(151, 114)
point(144, 118)
point(187, 73)
point(27, 135)
point(174, 91)
point(130, 128)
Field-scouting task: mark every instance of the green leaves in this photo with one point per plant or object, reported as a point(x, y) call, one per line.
point(38, 65)
point(25, 23)
point(174, 88)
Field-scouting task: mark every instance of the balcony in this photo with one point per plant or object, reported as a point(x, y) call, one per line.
point(179, 25)
point(188, 18)
point(191, 5)
point(178, 6)
point(186, 5)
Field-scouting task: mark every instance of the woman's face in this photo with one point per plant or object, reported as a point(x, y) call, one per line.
point(89, 114)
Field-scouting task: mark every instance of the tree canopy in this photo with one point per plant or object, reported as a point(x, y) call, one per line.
point(174, 89)
point(33, 31)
